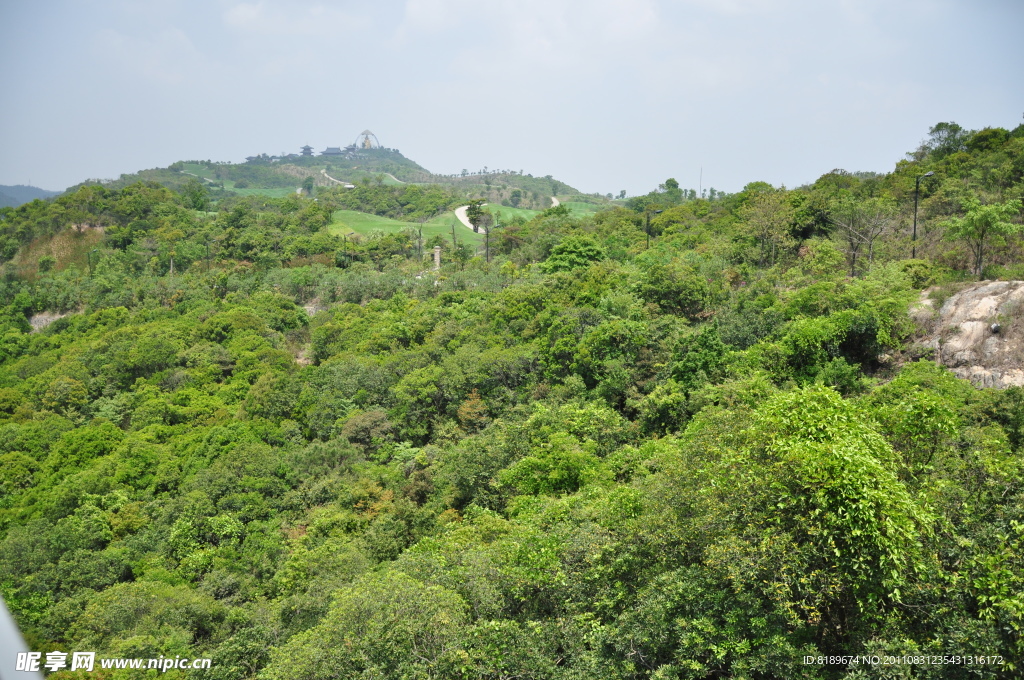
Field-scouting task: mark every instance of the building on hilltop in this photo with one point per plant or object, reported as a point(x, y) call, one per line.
point(367, 140)
point(307, 150)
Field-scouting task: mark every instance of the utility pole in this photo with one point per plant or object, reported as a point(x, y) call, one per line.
point(649, 226)
point(487, 241)
point(917, 190)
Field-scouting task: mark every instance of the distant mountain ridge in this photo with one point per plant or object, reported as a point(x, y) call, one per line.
point(17, 194)
point(281, 175)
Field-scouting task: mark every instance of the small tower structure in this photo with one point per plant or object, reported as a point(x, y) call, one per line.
point(307, 150)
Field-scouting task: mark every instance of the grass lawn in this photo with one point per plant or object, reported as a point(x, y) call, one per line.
point(354, 175)
point(345, 221)
point(199, 170)
point(579, 208)
point(501, 211)
point(207, 173)
point(276, 192)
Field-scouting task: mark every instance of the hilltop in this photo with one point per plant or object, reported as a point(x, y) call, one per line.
point(278, 175)
point(13, 196)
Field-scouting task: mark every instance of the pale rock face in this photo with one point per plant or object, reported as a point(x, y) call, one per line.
point(978, 332)
point(43, 319)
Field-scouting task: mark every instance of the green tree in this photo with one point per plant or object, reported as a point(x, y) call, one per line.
point(572, 253)
point(766, 217)
point(475, 213)
point(673, 194)
point(821, 516)
point(386, 625)
point(561, 465)
point(946, 138)
point(984, 225)
point(194, 194)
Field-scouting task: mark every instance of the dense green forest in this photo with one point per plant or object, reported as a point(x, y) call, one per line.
point(688, 437)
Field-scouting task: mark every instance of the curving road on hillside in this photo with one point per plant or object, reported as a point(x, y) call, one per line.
point(460, 213)
point(324, 173)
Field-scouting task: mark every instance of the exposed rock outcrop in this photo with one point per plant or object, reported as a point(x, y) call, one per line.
point(978, 332)
point(43, 319)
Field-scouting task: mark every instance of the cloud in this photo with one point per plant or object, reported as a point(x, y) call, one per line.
point(167, 58)
point(740, 7)
point(292, 19)
point(559, 31)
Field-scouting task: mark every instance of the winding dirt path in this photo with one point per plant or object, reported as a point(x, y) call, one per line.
point(205, 179)
point(460, 213)
point(324, 173)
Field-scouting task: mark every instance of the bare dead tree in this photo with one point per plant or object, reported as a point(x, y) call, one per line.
point(860, 224)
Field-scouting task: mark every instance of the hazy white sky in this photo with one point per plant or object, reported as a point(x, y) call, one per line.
point(602, 94)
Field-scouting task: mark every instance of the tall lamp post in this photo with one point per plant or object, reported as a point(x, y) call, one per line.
point(487, 237)
point(917, 190)
point(656, 212)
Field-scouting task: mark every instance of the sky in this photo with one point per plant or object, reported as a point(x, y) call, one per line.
point(602, 94)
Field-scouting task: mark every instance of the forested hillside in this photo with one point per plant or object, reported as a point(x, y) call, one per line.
point(276, 176)
point(13, 196)
point(686, 438)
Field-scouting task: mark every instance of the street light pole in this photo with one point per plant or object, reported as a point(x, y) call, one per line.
point(917, 190)
point(649, 226)
point(487, 238)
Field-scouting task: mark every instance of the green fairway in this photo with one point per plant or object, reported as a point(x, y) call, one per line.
point(575, 207)
point(579, 208)
point(199, 170)
point(346, 221)
point(503, 212)
point(207, 174)
point(276, 192)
